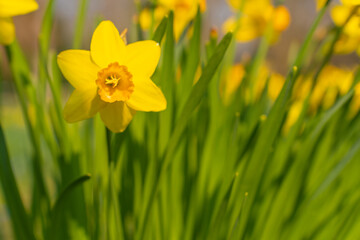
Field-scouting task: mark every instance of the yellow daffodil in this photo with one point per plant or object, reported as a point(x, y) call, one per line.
point(350, 38)
point(266, 75)
point(112, 78)
point(254, 18)
point(184, 12)
point(333, 81)
point(9, 9)
point(231, 82)
point(281, 18)
point(145, 17)
point(234, 76)
point(293, 115)
point(302, 87)
point(276, 82)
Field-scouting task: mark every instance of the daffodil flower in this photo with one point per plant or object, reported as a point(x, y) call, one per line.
point(255, 15)
point(112, 78)
point(184, 12)
point(9, 9)
point(350, 38)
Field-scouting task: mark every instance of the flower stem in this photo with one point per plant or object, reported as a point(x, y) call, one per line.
point(108, 141)
point(113, 201)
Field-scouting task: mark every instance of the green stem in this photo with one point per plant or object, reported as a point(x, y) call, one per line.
point(305, 46)
point(80, 24)
point(108, 141)
point(112, 190)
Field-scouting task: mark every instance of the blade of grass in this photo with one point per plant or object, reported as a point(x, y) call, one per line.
point(304, 50)
point(160, 30)
point(59, 206)
point(44, 75)
point(192, 61)
point(23, 86)
point(267, 136)
point(80, 21)
point(192, 102)
point(20, 219)
point(291, 189)
point(167, 81)
point(338, 168)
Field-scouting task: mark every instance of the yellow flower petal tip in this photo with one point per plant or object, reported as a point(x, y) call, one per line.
point(9, 9)
point(112, 78)
point(282, 18)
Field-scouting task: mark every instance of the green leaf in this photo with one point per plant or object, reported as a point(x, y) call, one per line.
point(46, 28)
point(167, 82)
point(268, 133)
point(196, 94)
point(192, 61)
point(160, 30)
point(338, 168)
point(192, 102)
point(58, 207)
point(79, 29)
point(292, 186)
point(20, 220)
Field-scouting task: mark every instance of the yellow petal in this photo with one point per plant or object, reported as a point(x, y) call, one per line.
point(143, 57)
point(117, 116)
point(202, 4)
point(78, 68)
point(7, 31)
point(145, 19)
point(10, 8)
point(147, 96)
point(350, 2)
point(106, 45)
point(282, 18)
point(320, 4)
point(339, 14)
point(232, 81)
point(276, 83)
point(293, 115)
point(82, 104)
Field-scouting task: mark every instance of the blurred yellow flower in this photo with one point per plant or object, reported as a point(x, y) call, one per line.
point(258, 86)
point(265, 76)
point(302, 87)
point(184, 12)
point(350, 39)
point(281, 18)
point(293, 115)
point(234, 76)
point(145, 17)
point(112, 78)
point(333, 81)
point(9, 9)
point(254, 18)
point(276, 82)
point(231, 82)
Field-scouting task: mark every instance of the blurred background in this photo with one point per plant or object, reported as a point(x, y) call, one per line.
point(122, 13)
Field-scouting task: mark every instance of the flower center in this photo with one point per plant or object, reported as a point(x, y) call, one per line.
point(114, 83)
